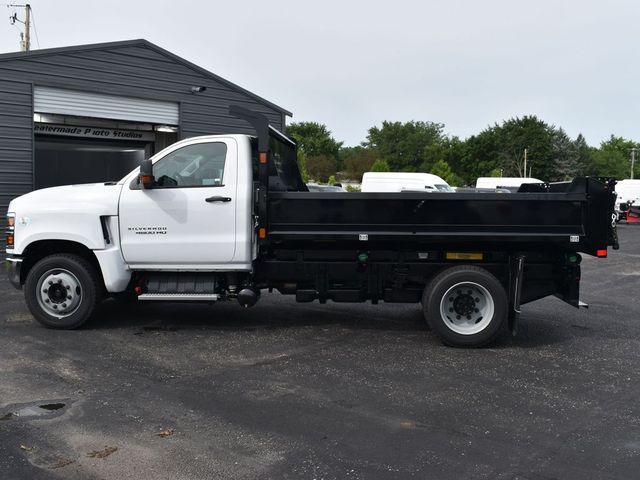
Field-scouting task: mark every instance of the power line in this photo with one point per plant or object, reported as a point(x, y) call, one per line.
point(35, 30)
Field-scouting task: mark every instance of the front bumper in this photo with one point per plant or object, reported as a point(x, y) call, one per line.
point(14, 265)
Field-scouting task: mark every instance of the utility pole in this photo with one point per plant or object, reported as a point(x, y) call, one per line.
point(633, 160)
point(27, 27)
point(25, 38)
point(524, 173)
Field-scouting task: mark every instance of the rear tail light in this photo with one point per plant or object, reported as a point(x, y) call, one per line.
point(601, 252)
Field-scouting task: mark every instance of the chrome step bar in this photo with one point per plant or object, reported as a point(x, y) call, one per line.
point(180, 297)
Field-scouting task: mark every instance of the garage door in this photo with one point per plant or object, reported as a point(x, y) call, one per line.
point(96, 105)
point(67, 161)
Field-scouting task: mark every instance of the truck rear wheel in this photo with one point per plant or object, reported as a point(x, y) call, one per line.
point(62, 291)
point(465, 306)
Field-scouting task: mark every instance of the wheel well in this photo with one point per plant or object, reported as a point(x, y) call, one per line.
point(43, 248)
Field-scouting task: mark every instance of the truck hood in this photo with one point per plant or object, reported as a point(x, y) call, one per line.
point(92, 198)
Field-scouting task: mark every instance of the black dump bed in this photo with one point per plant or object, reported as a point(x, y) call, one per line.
point(571, 216)
point(575, 216)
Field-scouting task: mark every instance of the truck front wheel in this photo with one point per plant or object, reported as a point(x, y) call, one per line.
point(465, 306)
point(62, 291)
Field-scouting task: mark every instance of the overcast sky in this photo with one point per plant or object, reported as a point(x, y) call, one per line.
point(353, 64)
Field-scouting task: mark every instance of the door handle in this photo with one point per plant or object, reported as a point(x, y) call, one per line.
point(217, 199)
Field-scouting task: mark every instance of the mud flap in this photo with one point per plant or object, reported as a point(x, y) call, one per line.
point(570, 292)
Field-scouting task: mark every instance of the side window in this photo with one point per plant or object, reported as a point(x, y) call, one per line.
point(198, 165)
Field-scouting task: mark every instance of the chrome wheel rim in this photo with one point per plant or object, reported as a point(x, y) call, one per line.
point(59, 293)
point(467, 308)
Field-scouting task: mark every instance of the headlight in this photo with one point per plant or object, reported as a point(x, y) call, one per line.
point(11, 226)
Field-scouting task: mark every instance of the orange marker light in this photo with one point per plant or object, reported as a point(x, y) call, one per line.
point(9, 240)
point(11, 221)
point(602, 252)
point(262, 233)
point(263, 157)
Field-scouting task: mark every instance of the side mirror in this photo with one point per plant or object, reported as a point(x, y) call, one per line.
point(146, 173)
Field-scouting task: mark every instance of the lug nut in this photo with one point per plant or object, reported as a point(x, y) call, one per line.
point(64, 305)
point(68, 297)
point(457, 317)
point(468, 316)
point(46, 300)
point(55, 307)
point(50, 282)
point(59, 280)
point(451, 299)
point(477, 299)
point(67, 287)
point(45, 290)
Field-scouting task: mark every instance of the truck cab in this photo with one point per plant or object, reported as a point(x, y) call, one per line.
point(198, 215)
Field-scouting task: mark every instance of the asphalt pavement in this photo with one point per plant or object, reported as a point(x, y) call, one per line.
point(336, 391)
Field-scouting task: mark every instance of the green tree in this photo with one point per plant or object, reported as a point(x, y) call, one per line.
point(320, 167)
point(315, 140)
point(566, 158)
point(584, 153)
point(502, 147)
point(357, 161)
point(302, 165)
point(442, 169)
point(404, 145)
point(380, 166)
point(612, 159)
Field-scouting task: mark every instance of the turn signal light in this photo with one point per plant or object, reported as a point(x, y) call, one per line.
point(263, 157)
point(262, 233)
point(602, 252)
point(11, 221)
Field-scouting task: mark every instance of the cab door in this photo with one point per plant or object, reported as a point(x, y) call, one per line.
point(188, 218)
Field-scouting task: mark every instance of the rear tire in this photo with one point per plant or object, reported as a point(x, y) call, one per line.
point(466, 306)
point(62, 291)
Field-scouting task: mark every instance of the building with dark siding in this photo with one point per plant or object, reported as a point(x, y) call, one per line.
point(90, 113)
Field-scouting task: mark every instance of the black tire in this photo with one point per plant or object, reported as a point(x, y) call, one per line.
point(84, 297)
point(449, 305)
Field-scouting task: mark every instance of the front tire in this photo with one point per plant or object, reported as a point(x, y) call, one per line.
point(466, 306)
point(62, 291)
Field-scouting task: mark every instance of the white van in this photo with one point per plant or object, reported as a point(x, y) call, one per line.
point(627, 191)
point(403, 181)
point(504, 182)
